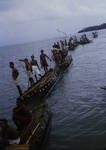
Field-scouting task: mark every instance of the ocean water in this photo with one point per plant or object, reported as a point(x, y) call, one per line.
point(77, 102)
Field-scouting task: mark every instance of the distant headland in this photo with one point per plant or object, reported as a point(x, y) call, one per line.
point(93, 28)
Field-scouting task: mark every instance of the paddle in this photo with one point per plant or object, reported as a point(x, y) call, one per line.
point(103, 87)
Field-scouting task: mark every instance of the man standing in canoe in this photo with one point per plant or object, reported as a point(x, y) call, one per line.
point(28, 70)
point(35, 67)
point(43, 60)
point(15, 76)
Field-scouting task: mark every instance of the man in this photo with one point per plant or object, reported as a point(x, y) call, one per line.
point(29, 70)
point(35, 67)
point(43, 61)
point(15, 76)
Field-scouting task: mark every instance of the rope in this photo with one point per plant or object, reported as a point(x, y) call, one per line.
point(33, 133)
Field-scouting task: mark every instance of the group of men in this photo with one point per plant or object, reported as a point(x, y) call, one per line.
point(32, 68)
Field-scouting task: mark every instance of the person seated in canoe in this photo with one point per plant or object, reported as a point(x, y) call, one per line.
point(15, 76)
point(57, 57)
point(54, 45)
point(62, 44)
point(35, 67)
point(82, 40)
point(94, 34)
point(58, 45)
point(28, 70)
point(43, 60)
point(21, 115)
point(85, 38)
point(8, 134)
point(75, 40)
point(64, 53)
point(65, 42)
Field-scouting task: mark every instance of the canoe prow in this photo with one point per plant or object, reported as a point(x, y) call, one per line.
point(36, 134)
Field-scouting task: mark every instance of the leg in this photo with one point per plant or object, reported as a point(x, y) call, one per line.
point(45, 69)
point(36, 77)
point(18, 86)
point(31, 81)
point(19, 90)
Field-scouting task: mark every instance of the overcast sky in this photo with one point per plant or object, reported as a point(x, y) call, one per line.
point(31, 20)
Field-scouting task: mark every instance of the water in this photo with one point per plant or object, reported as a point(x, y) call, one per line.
point(77, 102)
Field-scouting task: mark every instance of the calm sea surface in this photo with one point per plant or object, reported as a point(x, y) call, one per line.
point(78, 103)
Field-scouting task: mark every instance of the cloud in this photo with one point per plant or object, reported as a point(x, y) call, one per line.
point(5, 5)
point(14, 11)
point(20, 18)
point(91, 8)
point(27, 10)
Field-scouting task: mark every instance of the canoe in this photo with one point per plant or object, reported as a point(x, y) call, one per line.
point(35, 136)
point(46, 83)
point(84, 42)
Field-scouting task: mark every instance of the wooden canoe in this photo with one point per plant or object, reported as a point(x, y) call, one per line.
point(46, 83)
point(35, 136)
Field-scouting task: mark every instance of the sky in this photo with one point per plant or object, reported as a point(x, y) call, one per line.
point(23, 21)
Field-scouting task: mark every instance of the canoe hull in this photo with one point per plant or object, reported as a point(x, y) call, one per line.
point(35, 136)
point(41, 89)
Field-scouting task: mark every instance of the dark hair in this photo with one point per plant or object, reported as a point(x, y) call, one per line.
point(42, 50)
point(11, 64)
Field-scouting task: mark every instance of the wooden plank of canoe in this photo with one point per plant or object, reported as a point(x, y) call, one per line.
point(31, 128)
point(38, 84)
point(18, 147)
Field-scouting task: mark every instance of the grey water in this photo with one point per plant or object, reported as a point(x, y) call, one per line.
point(77, 102)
